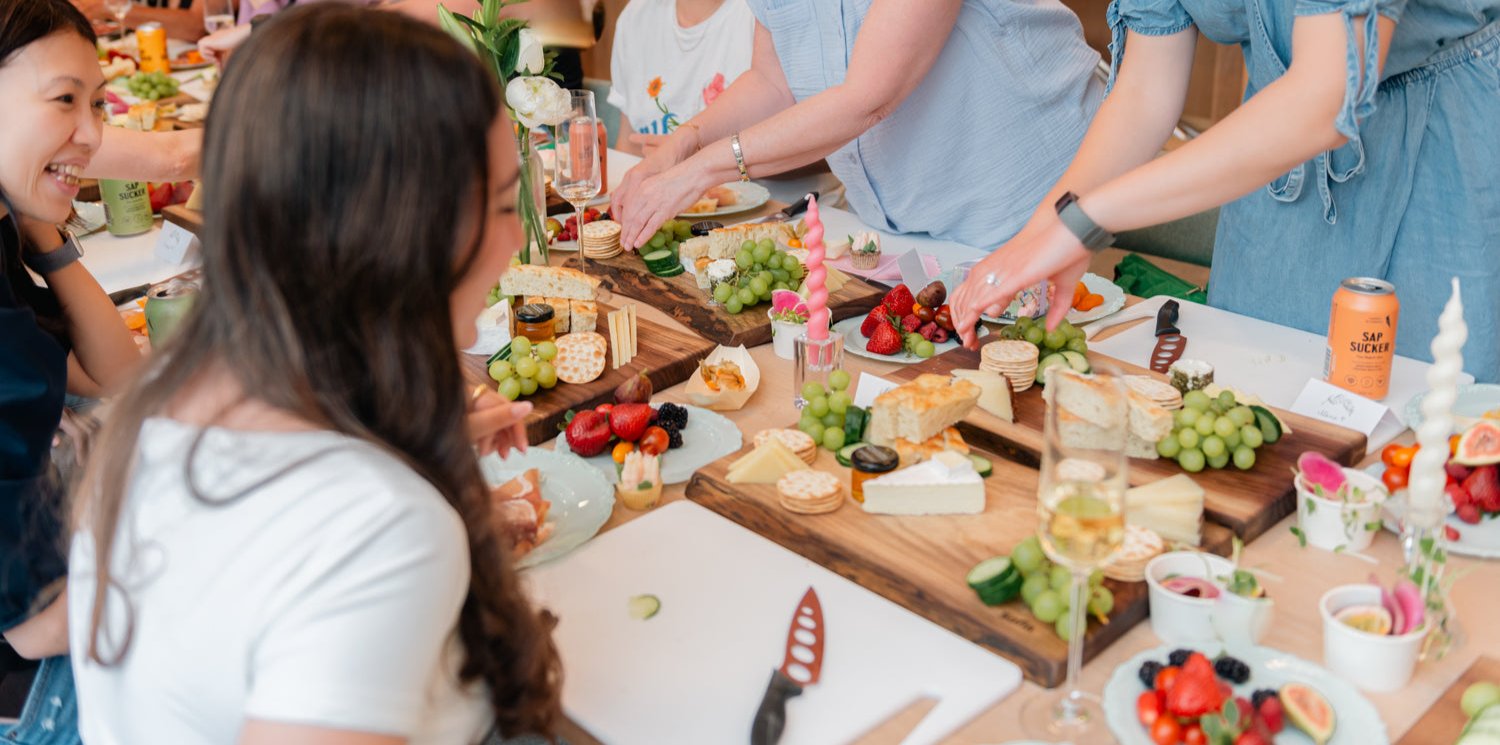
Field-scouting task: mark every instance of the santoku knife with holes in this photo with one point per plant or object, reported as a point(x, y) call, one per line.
point(1170, 343)
point(797, 671)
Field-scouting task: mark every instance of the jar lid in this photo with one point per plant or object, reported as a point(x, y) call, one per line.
point(534, 313)
point(874, 459)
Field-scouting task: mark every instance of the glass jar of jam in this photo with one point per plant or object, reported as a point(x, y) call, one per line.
point(868, 462)
point(535, 322)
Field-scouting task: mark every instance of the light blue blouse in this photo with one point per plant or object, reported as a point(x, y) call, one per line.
point(974, 148)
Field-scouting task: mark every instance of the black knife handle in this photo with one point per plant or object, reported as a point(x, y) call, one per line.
point(1166, 319)
point(799, 206)
point(770, 718)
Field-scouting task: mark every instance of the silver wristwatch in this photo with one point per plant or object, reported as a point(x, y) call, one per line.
point(1088, 232)
point(51, 261)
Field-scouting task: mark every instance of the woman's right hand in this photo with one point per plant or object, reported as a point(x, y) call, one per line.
point(216, 46)
point(663, 154)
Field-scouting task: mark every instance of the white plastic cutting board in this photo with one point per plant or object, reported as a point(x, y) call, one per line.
point(695, 672)
point(1255, 356)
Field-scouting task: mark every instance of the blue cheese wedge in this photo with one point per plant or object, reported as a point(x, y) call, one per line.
point(947, 484)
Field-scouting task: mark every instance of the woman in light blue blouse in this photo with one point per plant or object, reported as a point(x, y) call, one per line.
point(1368, 145)
point(949, 117)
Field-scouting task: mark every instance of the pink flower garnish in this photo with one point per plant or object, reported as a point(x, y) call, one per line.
point(713, 89)
point(785, 303)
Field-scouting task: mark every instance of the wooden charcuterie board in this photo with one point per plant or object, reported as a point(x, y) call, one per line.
point(1445, 720)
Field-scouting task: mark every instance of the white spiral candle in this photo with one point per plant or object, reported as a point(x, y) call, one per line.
point(1427, 478)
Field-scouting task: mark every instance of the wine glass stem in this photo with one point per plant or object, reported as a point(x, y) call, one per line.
point(583, 258)
point(1078, 607)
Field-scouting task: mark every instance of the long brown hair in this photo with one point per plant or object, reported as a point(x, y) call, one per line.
point(345, 152)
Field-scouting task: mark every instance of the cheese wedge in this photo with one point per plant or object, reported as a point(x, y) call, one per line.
point(945, 485)
point(1172, 507)
point(766, 464)
point(994, 391)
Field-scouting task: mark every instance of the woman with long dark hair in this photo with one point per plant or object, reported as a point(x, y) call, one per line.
point(284, 536)
point(53, 97)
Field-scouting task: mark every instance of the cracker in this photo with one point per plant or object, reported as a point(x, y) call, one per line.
point(580, 357)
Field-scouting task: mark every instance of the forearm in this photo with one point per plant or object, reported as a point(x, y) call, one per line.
point(147, 156)
point(44, 634)
point(103, 346)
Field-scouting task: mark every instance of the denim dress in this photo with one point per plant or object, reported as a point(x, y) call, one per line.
point(978, 143)
point(1413, 197)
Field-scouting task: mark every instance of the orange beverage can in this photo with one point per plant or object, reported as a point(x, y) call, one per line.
point(152, 40)
point(1362, 336)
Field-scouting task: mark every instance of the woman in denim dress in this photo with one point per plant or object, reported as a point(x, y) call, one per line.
point(1325, 172)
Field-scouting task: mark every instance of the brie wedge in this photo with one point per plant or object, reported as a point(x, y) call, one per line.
point(944, 485)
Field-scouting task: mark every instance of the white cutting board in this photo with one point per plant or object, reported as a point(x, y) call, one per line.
point(1255, 356)
point(695, 673)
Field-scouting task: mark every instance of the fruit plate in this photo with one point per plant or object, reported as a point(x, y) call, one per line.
point(1114, 300)
point(854, 343)
point(706, 438)
point(1473, 402)
point(1357, 722)
point(581, 500)
point(750, 196)
point(1480, 540)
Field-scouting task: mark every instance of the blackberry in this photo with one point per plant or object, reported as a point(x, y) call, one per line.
point(674, 438)
point(671, 417)
point(1260, 696)
point(1148, 672)
point(1232, 670)
point(1179, 657)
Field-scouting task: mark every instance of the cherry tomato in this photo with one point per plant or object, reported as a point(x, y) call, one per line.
point(923, 312)
point(1394, 478)
point(604, 408)
point(943, 318)
point(1165, 677)
point(1193, 735)
point(1397, 456)
point(621, 450)
point(1166, 731)
point(1148, 707)
point(654, 441)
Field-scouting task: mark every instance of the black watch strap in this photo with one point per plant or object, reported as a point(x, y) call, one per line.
point(1089, 233)
point(58, 258)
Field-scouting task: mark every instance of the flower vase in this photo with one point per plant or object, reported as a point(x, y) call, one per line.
point(532, 197)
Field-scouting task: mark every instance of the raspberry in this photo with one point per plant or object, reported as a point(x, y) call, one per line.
point(910, 323)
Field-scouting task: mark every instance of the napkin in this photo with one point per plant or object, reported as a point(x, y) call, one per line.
point(886, 269)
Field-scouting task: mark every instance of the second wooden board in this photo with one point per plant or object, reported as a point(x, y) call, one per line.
point(1445, 720)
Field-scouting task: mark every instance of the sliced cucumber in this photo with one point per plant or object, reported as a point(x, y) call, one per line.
point(854, 424)
point(671, 271)
point(990, 571)
point(845, 455)
point(1270, 426)
point(643, 607)
point(982, 466)
point(502, 353)
point(1078, 362)
point(656, 257)
point(1052, 360)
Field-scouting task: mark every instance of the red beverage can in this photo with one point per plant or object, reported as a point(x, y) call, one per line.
point(151, 38)
point(1362, 336)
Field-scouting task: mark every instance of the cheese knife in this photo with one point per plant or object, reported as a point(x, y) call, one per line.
point(801, 666)
point(787, 213)
point(1170, 343)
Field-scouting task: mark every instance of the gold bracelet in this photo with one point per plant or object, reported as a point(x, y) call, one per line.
point(739, 156)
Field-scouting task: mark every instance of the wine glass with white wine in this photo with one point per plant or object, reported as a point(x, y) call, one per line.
point(1081, 503)
point(217, 14)
point(119, 9)
point(577, 173)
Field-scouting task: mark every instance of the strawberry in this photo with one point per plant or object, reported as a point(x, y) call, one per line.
point(885, 340)
point(629, 421)
point(910, 323)
point(1468, 513)
point(1457, 472)
point(588, 433)
point(1484, 486)
point(1450, 532)
point(1196, 691)
point(927, 330)
point(898, 302)
point(877, 317)
point(1271, 714)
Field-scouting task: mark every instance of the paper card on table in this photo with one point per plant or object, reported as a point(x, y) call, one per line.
point(176, 244)
point(1329, 403)
point(913, 272)
point(869, 387)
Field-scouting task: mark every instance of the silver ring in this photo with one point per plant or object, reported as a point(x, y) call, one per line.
point(991, 280)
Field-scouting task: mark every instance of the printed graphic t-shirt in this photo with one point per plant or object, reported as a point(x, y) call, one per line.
point(662, 74)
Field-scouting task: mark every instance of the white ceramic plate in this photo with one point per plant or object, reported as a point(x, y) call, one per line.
point(1357, 722)
point(707, 438)
point(1114, 300)
point(751, 195)
point(1474, 400)
point(854, 343)
point(1481, 540)
point(581, 499)
point(90, 216)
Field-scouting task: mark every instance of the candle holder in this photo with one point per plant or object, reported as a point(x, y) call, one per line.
point(815, 361)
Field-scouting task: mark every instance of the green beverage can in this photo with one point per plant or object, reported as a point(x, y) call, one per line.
point(166, 305)
point(127, 206)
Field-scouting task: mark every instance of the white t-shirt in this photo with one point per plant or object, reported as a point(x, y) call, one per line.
point(329, 596)
point(693, 64)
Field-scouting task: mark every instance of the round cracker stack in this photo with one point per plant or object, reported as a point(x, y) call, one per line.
point(1140, 547)
point(1013, 358)
point(1165, 395)
point(800, 443)
point(580, 357)
point(809, 492)
point(600, 239)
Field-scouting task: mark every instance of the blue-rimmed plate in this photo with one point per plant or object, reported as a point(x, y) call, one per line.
point(1357, 721)
point(581, 499)
point(707, 438)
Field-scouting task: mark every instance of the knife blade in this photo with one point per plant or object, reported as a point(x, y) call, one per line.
point(788, 212)
point(1170, 343)
point(801, 666)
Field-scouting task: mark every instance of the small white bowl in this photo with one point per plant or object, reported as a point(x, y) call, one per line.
point(1240, 621)
point(1177, 618)
point(1330, 524)
point(1370, 661)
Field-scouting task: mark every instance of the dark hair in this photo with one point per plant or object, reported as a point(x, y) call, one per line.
point(22, 23)
point(345, 159)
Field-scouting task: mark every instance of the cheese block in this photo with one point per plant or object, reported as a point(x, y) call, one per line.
point(548, 281)
point(994, 392)
point(583, 315)
point(635, 347)
point(622, 342)
point(920, 409)
point(724, 243)
point(945, 485)
point(1172, 507)
point(766, 464)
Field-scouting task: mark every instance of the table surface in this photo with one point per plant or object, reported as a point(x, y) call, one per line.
point(1305, 572)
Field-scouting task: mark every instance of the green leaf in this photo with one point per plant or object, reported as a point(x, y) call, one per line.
point(1339, 548)
point(1311, 505)
point(1372, 526)
point(1301, 538)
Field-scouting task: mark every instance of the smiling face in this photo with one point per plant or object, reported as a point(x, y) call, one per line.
point(501, 239)
point(54, 99)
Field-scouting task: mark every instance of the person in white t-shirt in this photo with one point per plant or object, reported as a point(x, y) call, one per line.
point(284, 536)
point(671, 59)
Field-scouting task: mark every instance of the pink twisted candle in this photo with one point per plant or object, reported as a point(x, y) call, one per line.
point(817, 275)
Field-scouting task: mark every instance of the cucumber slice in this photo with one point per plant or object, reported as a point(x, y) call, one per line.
point(854, 424)
point(990, 572)
point(982, 466)
point(845, 455)
point(1078, 362)
point(656, 256)
point(672, 271)
point(999, 595)
point(1270, 426)
point(1051, 360)
point(643, 607)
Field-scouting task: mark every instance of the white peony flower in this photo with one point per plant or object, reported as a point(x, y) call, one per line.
point(537, 101)
point(530, 59)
